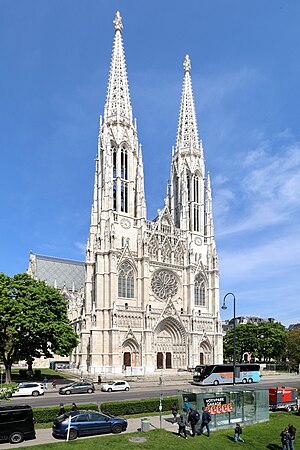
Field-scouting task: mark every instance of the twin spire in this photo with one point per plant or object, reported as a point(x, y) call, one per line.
point(187, 133)
point(118, 105)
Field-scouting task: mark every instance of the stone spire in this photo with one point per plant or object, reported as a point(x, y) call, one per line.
point(209, 223)
point(118, 104)
point(187, 134)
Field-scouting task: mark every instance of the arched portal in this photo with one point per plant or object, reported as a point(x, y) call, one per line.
point(170, 344)
point(131, 353)
point(205, 356)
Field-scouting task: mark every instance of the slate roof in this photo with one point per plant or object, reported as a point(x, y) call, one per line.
point(59, 272)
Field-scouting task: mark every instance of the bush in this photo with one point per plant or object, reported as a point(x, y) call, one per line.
point(37, 372)
point(23, 373)
point(131, 407)
point(46, 415)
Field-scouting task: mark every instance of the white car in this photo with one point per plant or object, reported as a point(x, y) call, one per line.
point(115, 386)
point(34, 389)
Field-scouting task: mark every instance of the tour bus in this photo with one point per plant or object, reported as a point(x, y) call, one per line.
point(223, 374)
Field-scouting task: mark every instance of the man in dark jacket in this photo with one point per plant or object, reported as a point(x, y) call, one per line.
point(206, 418)
point(285, 439)
point(193, 419)
point(292, 432)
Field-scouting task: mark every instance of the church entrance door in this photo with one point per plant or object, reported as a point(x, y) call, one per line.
point(127, 359)
point(201, 358)
point(160, 360)
point(168, 360)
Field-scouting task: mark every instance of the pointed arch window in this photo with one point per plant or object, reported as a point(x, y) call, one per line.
point(199, 291)
point(126, 281)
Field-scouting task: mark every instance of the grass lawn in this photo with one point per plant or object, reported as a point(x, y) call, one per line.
point(259, 436)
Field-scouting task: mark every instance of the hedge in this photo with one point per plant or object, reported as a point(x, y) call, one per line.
point(131, 407)
point(46, 415)
point(126, 408)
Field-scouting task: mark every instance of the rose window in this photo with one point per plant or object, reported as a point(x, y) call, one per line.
point(164, 284)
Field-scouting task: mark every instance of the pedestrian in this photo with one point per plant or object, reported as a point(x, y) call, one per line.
point(193, 419)
point(285, 439)
point(174, 409)
point(237, 432)
point(61, 410)
point(74, 407)
point(54, 383)
point(181, 420)
point(187, 404)
point(292, 432)
point(206, 418)
point(99, 379)
point(45, 382)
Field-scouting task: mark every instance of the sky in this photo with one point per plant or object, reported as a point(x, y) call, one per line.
point(55, 57)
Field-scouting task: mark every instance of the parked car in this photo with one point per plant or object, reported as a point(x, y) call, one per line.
point(16, 424)
point(34, 389)
point(78, 388)
point(85, 423)
point(115, 386)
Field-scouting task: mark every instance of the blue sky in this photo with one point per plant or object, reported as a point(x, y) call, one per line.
point(55, 57)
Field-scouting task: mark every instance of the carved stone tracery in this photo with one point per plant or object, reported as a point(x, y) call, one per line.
point(164, 284)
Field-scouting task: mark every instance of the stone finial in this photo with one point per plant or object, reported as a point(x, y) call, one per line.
point(118, 22)
point(187, 64)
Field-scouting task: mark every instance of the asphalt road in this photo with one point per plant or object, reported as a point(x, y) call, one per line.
point(141, 391)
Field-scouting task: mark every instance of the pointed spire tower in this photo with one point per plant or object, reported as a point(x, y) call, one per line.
point(186, 198)
point(119, 175)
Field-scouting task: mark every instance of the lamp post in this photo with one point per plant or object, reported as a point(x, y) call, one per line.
point(234, 332)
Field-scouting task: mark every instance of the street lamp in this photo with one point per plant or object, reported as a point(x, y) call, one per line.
point(234, 332)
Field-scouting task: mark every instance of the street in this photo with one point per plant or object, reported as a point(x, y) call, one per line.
point(143, 390)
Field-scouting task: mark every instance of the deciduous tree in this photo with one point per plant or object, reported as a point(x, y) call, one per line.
point(34, 321)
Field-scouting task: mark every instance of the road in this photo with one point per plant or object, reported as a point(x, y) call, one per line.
point(142, 390)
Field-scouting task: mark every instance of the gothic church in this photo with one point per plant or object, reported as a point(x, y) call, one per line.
point(151, 288)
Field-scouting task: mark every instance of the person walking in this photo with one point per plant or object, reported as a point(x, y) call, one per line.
point(193, 419)
point(285, 439)
point(292, 432)
point(174, 410)
point(74, 407)
point(206, 418)
point(237, 433)
point(45, 382)
point(181, 420)
point(54, 383)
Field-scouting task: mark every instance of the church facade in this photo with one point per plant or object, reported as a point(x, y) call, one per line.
point(150, 296)
point(152, 287)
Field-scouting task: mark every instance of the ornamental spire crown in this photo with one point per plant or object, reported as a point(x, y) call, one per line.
point(187, 134)
point(118, 105)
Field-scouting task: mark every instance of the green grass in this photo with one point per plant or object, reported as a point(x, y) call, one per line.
point(49, 373)
point(257, 437)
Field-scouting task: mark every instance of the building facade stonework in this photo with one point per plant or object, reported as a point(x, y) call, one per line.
point(152, 287)
point(151, 294)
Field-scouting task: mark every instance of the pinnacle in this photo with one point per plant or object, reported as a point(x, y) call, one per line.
point(187, 64)
point(118, 22)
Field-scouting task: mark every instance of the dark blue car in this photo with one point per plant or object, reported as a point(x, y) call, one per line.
point(85, 423)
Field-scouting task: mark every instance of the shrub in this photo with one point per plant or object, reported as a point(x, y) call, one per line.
point(37, 372)
point(23, 372)
point(131, 407)
point(46, 415)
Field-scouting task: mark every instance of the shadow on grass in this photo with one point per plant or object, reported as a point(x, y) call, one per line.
point(273, 447)
point(230, 438)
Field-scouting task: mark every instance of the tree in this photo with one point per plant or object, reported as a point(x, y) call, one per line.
point(246, 341)
point(33, 321)
point(266, 341)
point(293, 346)
point(272, 341)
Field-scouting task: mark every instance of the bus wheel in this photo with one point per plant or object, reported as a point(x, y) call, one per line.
point(244, 381)
point(250, 381)
point(215, 383)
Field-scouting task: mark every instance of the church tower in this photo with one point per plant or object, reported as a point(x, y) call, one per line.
point(151, 287)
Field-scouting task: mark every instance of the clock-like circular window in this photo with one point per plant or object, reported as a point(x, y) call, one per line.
point(164, 284)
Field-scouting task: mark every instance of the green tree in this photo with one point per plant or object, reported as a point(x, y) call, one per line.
point(33, 321)
point(293, 346)
point(246, 341)
point(272, 341)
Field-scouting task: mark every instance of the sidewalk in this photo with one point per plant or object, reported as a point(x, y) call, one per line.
point(44, 436)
